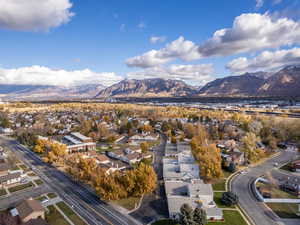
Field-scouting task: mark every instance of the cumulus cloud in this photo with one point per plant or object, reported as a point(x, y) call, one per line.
point(267, 60)
point(34, 15)
point(192, 74)
point(252, 32)
point(39, 75)
point(180, 48)
point(156, 39)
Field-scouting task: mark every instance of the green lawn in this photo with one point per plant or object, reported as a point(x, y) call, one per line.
point(20, 187)
point(219, 185)
point(217, 199)
point(231, 217)
point(165, 222)
point(15, 168)
point(53, 217)
point(23, 167)
point(52, 195)
point(41, 198)
point(2, 192)
point(285, 210)
point(70, 214)
point(128, 203)
point(38, 182)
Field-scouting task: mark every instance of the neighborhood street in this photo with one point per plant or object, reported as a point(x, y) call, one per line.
point(241, 185)
point(82, 200)
point(154, 205)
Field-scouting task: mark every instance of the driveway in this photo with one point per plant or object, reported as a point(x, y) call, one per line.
point(154, 206)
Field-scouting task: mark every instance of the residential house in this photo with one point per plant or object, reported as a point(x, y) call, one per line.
point(10, 178)
point(28, 210)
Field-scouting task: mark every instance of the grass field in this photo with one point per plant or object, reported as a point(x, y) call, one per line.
point(38, 182)
point(20, 187)
point(128, 203)
point(285, 210)
point(53, 217)
point(23, 167)
point(15, 168)
point(51, 195)
point(41, 198)
point(219, 185)
point(217, 199)
point(70, 214)
point(231, 217)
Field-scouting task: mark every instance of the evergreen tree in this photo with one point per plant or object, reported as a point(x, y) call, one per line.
point(199, 216)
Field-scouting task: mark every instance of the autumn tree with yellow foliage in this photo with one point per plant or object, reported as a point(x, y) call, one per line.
point(210, 162)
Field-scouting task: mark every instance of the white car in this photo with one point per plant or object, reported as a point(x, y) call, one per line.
point(45, 200)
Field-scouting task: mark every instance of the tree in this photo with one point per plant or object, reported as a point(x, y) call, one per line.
point(144, 146)
point(252, 153)
point(232, 167)
point(173, 140)
point(210, 161)
point(145, 180)
point(186, 215)
point(229, 198)
point(200, 217)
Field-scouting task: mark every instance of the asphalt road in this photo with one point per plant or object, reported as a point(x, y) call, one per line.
point(13, 199)
point(241, 185)
point(83, 201)
point(154, 205)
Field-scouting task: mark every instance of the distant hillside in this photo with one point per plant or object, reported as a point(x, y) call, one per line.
point(285, 82)
point(40, 92)
point(243, 85)
point(148, 88)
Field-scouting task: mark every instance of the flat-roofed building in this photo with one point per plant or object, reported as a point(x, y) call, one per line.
point(77, 142)
point(194, 193)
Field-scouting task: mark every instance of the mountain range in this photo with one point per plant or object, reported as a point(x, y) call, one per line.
point(285, 82)
point(48, 92)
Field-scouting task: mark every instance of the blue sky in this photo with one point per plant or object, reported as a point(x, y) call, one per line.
point(102, 35)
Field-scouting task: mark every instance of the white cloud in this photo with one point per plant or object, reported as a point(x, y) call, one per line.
point(34, 15)
point(180, 48)
point(39, 75)
point(267, 60)
point(252, 32)
point(141, 25)
point(192, 74)
point(259, 4)
point(156, 39)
